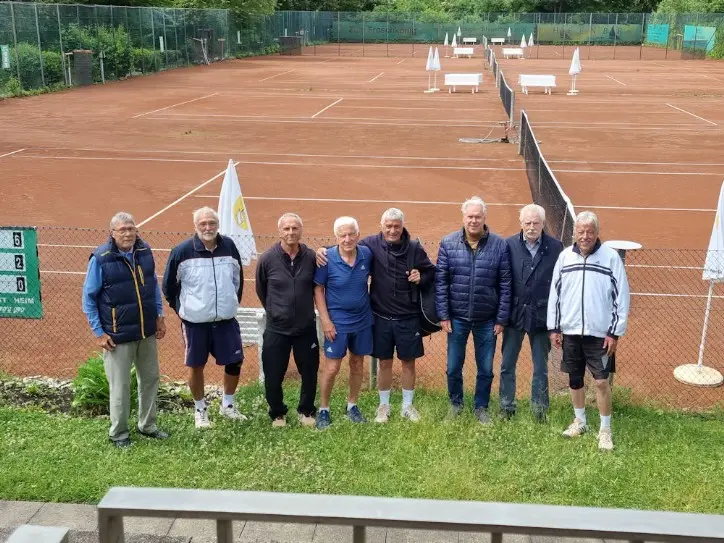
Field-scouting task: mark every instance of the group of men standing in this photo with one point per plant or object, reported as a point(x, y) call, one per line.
point(577, 298)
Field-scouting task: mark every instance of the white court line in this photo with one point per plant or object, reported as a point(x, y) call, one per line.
point(624, 208)
point(269, 163)
point(276, 75)
point(710, 77)
point(355, 201)
point(612, 162)
point(326, 108)
point(174, 105)
point(381, 166)
point(617, 81)
point(403, 60)
point(12, 153)
point(690, 113)
point(375, 77)
point(189, 193)
point(605, 123)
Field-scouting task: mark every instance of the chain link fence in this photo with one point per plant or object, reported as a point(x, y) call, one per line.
point(668, 308)
point(40, 44)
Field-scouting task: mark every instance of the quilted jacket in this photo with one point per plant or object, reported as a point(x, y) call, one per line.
point(473, 285)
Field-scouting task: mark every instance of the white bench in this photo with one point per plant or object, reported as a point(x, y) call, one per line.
point(457, 51)
point(529, 80)
point(463, 80)
point(512, 52)
point(499, 41)
point(470, 40)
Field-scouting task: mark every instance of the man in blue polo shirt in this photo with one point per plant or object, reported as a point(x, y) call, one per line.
point(343, 302)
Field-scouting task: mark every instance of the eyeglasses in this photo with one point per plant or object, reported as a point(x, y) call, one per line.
point(209, 224)
point(126, 230)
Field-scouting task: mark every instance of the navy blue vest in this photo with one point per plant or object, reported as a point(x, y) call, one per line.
point(127, 300)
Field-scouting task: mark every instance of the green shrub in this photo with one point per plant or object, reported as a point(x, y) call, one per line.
point(91, 386)
point(145, 60)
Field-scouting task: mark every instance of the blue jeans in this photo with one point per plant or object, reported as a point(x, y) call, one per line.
point(484, 342)
point(539, 346)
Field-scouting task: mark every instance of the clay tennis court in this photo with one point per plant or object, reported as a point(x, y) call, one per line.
point(325, 136)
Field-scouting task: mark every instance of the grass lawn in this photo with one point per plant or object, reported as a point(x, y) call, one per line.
point(663, 460)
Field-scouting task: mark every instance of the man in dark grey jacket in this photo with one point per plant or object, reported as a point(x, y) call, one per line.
point(285, 286)
point(533, 256)
point(472, 294)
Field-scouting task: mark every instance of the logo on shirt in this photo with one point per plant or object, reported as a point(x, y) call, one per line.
point(362, 267)
point(417, 334)
point(314, 346)
point(329, 349)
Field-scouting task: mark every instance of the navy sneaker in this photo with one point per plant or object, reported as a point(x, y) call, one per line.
point(355, 415)
point(323, 420)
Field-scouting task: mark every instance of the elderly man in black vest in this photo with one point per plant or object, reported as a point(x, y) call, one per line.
point(122, 301)
point(533, 255)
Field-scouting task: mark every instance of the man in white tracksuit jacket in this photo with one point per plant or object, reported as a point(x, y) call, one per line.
point(587, 314)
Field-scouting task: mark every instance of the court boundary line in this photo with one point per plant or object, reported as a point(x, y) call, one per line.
point(376, 77)
point(692, 114)
point(326, 108)
point(375, 157)
point(617, 81)
point(276, 75)
point(441, 202)
point(174, 105)
point(13, 152)
point(382, 166)
point(334, 121)
point(182, 198)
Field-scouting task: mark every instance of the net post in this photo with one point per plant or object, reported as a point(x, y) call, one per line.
point(615, 37)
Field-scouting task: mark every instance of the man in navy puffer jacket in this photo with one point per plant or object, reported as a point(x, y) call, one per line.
point(473, 290)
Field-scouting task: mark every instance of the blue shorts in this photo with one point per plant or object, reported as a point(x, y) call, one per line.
point(402, 334)
point(221, 339)
point(357, 342)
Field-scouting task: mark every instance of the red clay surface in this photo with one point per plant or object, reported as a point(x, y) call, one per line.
point(164, 140)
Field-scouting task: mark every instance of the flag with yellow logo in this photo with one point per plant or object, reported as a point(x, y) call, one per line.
point(233, 216)
point(714, 265)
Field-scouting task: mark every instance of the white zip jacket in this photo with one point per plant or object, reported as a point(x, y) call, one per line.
point(589, 295)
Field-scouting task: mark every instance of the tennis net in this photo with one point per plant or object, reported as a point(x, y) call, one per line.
point(544, 186)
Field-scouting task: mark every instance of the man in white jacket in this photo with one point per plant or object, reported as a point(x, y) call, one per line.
point(587, 314)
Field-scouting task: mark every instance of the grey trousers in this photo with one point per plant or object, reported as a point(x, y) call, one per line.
point(117, 363)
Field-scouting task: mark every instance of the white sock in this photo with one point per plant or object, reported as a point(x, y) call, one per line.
point(228, 400)
point(384, 397)
point(200, 404)
point(350, 405)
point(580, 414)
point(605, 422)
point(407, 396)
point(324, 409)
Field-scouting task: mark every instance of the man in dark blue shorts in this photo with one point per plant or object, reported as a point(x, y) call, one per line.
point(343, 302)
point(203, 284)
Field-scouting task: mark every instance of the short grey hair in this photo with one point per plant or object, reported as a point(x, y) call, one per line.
point(346, 221)
point(587, 217)
point(392, 214)
point(534, 208)
point(122, 218)
point(474, 201)
point(290, 216)
point(203, 211)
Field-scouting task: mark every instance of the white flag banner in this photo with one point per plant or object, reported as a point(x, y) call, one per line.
point(233, 217)
point(714, 265)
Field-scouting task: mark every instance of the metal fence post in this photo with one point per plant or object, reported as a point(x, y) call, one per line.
point(60, 39)
point(40, 47)
point(339, 47)
point(363, 33)
point(153, 40)
point(387, 36)
point(615, 37)
point(590, 34)
point(15, 42)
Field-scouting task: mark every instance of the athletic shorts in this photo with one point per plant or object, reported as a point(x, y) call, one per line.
point(357, 342)
point(403, 335)
point(580, 352)
point(221, 339)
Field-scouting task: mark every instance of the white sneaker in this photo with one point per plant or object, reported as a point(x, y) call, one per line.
point(382, 414)
point(201, 418)
point(605, 441)
point(410, 413)
point(232, 413)
point(575, 429)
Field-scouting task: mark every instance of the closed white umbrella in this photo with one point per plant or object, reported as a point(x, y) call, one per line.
point(509, 34)
point(459, 32)
point(523, 45)
point(530, 41)
point(435, 68)
point(454, 44)
point(574, 70)
point(429, 68)
point(446, 42)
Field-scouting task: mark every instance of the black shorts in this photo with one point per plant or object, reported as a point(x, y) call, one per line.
point(403, 335)
point(221, 339)
point(580, 352)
